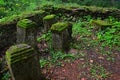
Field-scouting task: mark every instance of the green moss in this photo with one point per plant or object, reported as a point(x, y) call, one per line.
point(18, 52)
point(59, 26)
point(21, 55)
point(32, 13)
point(26, 23)
point(49, 17)
point(101, 23)
point(15, 18)
point(10, 19)
point(2, 12)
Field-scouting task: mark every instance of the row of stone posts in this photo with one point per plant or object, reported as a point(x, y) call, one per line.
point(61, 32)
point(22, 58)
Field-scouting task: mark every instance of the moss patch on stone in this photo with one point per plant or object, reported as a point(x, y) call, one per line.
point(49, 17)
point(31, 13)
point(101, 23)
point(26, 23)
point(18, 52)
point(15, 18)
point(10, 19)
point(59, 26)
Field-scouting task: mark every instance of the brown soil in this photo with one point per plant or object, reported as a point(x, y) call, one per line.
point(79, 69)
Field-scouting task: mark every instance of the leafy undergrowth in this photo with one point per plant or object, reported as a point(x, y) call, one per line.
point(94, 53)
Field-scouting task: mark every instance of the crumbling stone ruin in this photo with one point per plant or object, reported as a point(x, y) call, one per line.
point(22, 30)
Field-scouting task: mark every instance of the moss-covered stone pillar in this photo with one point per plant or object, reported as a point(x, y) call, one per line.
point(26, 32)
point(101, 24)
point(23, 63)
point(61, 35)
point(48, 21)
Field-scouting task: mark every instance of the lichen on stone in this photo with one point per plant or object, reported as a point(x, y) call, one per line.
point(49, 17)
point(59, 26)
point(101, 23)
point(26, 23)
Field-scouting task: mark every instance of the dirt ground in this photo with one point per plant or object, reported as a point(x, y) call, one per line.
point(80, 69)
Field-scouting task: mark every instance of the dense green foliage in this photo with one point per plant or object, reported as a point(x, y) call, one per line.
point(102, 3)
point(16, 6)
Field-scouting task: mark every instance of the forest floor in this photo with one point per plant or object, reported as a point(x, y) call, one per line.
point(92, 66)
point(92, 62)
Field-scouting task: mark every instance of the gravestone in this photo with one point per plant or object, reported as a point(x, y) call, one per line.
point(48, 21)
point(61, 35)
point(23, 63)
point(26, 32)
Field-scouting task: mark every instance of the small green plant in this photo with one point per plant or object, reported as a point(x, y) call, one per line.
point(6, 76)
point(79, 28)
point(110, 37)
point(46, 37)
point(80, 55)
point(87, 18)
point(43, 62)
point(98, 72)
point(111, 59)
point(56, 56)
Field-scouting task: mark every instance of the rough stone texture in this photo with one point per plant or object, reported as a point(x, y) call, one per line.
point(7, 36)
point(23, 63)
point(83, 11)
point(8, 29)
point(61, 36)
point(48, 21)
point(26, 32)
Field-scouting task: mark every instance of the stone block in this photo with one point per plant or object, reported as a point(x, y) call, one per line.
point(48, 21)
point(26, 32)
point(23, 63)
point(61, 35)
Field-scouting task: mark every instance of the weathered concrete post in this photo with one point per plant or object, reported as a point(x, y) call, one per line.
point(61, 35)
point(23, 63)
point(26, 32)
point(48, 21)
